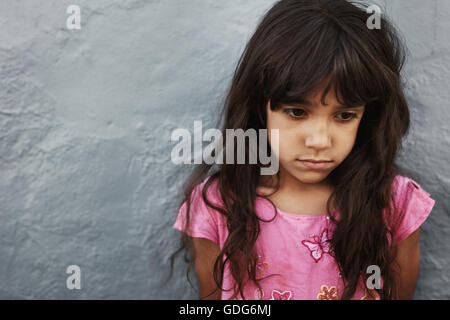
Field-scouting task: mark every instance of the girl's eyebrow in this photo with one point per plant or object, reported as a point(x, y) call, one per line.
point(305, 102)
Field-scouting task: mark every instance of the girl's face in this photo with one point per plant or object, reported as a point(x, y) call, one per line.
point(313, 131)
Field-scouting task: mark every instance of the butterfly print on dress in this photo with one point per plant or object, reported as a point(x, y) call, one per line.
point(281, 295)
point(318, 246)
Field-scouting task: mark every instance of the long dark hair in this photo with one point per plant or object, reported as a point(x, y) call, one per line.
point(297, 45)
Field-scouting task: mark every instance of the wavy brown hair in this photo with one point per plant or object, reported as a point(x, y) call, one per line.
point(297, 45)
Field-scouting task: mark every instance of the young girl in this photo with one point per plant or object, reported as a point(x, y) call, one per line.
point(337, 214)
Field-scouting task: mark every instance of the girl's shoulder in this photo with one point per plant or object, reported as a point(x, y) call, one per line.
point(204, 221)
point(212, 191)
point(206, 197)
point(406, 189)
point(412, 206)
point(401, 181)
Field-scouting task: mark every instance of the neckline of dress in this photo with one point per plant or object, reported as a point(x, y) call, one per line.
point(296, 216)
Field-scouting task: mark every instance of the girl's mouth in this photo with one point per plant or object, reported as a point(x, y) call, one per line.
point(316, 164)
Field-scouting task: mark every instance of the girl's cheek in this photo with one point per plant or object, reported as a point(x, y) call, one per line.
point(287, 144)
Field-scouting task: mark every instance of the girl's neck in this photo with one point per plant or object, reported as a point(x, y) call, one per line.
point(296, 197)
point(290, 184)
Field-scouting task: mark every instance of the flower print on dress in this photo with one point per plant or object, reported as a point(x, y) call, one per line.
point(281, 295)
point(318, 246)
point(327, 293)
point(260, 267)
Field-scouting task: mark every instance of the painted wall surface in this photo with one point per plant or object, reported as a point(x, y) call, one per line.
point(86, 117)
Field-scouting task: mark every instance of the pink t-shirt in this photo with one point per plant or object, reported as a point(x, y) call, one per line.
point(293, 246)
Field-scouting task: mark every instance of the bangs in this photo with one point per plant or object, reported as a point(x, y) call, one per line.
point(329, 58)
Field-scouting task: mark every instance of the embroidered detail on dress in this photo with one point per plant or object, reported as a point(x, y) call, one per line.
point(260, 267)
point(327, 293)
point(278, 295)
point(318, 246)
point(368, 297)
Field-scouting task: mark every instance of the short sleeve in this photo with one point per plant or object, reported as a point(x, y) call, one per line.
point(203, 219)
point(414, 206)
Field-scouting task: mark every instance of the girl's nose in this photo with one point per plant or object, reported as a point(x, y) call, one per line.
point(318, 138)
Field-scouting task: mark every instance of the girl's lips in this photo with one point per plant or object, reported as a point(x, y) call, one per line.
point(316, 165)
point(315, 160)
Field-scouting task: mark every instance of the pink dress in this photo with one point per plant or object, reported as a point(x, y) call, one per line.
point(294, 246)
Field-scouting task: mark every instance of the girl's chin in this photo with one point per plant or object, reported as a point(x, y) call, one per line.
point(310, 176)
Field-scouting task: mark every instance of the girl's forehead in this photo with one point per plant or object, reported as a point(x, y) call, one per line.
point(319, 97)
point(324, 90)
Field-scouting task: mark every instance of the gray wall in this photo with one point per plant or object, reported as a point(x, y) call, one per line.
point(85, 123)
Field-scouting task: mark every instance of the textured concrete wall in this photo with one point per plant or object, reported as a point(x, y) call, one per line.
point(85, 123)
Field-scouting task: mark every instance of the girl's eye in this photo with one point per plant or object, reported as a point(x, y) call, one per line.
point(299, 113)
point(348, 116)
point(294, 113)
